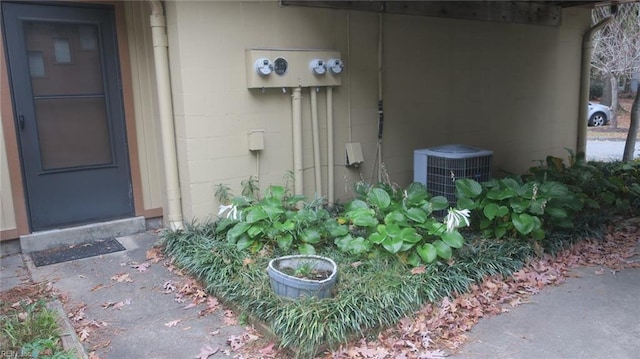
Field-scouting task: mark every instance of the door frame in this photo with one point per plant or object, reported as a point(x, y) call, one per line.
point(10, 134)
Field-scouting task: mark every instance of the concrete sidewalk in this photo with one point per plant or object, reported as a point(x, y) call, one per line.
point(593, 315)
point(128, 312)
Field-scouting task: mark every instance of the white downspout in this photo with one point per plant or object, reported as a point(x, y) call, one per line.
point(587, 46)
point(316, 140)
point(296, 114)
point(330, 161)
point(173, 214)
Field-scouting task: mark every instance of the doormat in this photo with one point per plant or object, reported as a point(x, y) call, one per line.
point(78, 251)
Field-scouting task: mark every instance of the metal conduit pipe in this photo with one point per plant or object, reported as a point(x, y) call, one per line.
point(315, 129)
point(173, 213)
point(380, 94)
point(296, 114)
point(585, 69)
point(330, 160)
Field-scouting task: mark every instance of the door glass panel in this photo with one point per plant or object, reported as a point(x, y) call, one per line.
point(62, 51)
point(72, 132)
point(68, 94)
point(76, 72)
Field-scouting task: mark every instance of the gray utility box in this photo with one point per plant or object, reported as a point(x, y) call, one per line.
point(438, 168)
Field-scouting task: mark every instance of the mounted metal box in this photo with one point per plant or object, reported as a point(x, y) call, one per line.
point(279, 68)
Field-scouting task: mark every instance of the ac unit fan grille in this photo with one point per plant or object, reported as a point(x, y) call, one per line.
point(438, 168)
point(442, 173)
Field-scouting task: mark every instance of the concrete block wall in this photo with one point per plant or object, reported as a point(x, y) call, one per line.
point(505, 87)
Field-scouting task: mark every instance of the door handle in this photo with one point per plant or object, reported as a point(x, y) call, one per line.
point(21, 121)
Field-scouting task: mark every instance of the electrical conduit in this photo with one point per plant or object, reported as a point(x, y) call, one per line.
point(330, 161)
point(296, 113)
point(380, 94)
point(316, 141)
point(173, 213)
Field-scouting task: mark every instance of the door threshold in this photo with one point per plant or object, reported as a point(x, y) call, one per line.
point(39, 241)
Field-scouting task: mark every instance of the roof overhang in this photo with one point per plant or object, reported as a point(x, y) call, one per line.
point(523, 12)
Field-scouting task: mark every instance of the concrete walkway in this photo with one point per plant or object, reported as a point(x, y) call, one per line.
point(593, 315)
point(129, 312)
point(605, 150)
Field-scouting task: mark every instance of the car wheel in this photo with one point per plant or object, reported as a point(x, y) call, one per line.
point(597, 119)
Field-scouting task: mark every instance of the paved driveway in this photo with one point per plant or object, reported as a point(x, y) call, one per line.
point(608, 150)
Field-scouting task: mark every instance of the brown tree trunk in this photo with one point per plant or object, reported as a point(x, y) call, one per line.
point(630, 145)
point(606, 90)
point(614, 102)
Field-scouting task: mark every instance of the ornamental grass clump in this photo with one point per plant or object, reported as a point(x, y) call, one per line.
point(372, 292)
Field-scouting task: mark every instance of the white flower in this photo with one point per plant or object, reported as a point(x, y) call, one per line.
point(455, 218)
point(229, 211)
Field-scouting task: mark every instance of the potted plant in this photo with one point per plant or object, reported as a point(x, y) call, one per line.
point(296, 276)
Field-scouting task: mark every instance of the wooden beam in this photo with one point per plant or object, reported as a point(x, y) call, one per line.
point(521, 12)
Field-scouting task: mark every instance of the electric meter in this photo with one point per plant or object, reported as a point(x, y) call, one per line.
point(335, 66)
point(263, 66)
point(318, 67)
point(280, 66)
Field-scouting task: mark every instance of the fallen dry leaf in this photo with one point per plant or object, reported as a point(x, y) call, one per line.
point(101, 345)
point(268, 350)
point(122, 278)
point(84, 334)
point(247, 261)
point(155, 255)
point(206, 351)
point(418, 270)
point(141, 267)
point(229, 318)
point(169, 286)
point(212, 306)
point(172, 323)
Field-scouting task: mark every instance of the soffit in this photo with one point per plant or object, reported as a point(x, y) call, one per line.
point(524, 12)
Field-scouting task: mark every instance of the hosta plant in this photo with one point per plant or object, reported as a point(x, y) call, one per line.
point(516, 208)
point(400, 221)
point(278, 219)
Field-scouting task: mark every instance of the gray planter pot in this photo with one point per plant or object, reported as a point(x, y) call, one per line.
point(286, 285)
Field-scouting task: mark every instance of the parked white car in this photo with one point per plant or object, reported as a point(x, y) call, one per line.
point(599, 114)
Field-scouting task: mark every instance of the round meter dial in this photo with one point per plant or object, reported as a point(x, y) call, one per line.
point(263, 66)
point(280, 66)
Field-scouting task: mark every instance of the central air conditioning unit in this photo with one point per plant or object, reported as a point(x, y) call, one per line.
point(438, 168)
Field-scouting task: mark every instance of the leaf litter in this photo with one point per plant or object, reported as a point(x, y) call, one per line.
point(438, 329)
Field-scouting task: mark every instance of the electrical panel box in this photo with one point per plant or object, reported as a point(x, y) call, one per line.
point(354, 154)
point(281, 68)
point(256, 140)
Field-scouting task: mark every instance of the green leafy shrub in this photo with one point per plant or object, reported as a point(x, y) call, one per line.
point(516, 208)
point(399, 221)
point(276, 220)
point(604, 187)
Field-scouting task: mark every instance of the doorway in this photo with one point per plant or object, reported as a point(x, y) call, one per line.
point(68, 107)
